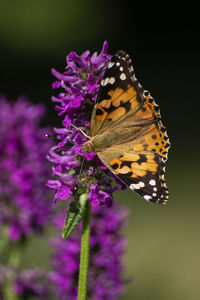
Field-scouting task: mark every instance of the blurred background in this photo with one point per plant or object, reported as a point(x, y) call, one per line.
point(163, 251)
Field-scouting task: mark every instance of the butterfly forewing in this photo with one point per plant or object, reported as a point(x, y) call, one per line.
point(119, 93)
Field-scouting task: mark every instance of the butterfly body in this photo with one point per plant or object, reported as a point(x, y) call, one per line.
point(126, 131)
point(105, 140)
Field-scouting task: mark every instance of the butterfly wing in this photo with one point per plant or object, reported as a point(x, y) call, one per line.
point(141, 172)
point(123, 103)
point(140, 168)
point(119, 93)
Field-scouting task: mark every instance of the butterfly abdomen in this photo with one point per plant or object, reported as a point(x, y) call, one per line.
point(99, 142)
point(103, 141)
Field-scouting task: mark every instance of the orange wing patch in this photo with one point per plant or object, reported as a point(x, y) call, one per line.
point(154, 139)
point(149, 110)
point(119, 96)
point(119, 104)
point(137, 164)
point(102, 114)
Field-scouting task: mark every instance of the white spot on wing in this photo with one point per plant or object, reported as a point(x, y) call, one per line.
point(152, 182)
point(141, 184)
point(112, 80)
point(103, 82)
point(106, 81)
point(134, 186)
point(147, 197)
point(122, 76)
point(137, 186)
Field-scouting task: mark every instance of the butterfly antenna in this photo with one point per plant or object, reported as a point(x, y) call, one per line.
point(81, 168)
point(87, 136)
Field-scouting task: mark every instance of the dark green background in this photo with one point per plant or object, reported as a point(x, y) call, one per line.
point(162, 259)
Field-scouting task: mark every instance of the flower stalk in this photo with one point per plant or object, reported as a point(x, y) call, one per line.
point(85, 186)
point(84, 256)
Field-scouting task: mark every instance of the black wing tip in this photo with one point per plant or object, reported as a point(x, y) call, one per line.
point(160, 201)
point(160, 197)
point(121, 54)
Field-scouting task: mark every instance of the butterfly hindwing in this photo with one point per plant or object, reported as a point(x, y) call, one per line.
point(153, 138)
point(140, 162)
point(142, 172)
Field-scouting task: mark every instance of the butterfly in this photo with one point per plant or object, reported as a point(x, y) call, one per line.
point(126, 131)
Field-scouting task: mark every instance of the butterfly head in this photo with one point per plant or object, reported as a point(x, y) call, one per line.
point(88, 147)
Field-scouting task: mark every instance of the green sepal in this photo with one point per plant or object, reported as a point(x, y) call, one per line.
point(71, 172)
point(75, 214)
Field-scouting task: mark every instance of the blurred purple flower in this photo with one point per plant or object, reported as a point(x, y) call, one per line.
point(30, 283)
point(80, 82)
point(24, 200)
point(25, 285)
point(106, 248)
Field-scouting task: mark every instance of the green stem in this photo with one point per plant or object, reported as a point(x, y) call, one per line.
point(13, 262)
point(3, 240)
point(84, 257)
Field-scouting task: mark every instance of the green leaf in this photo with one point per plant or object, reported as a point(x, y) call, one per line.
point(75, 214)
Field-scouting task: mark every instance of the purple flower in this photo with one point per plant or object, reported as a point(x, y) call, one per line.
point(80, 83)
point(106, 248)
point(25, 284)
point(96, 196)
point(76, 173)
point(24, 200)
point(30, 283)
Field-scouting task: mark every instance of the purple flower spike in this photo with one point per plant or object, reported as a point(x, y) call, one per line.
point(80, 83)
point(24, 200)
point(106, 249)
point(78, 173)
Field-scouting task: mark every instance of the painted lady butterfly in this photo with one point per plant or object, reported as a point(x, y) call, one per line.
point(126, 131)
